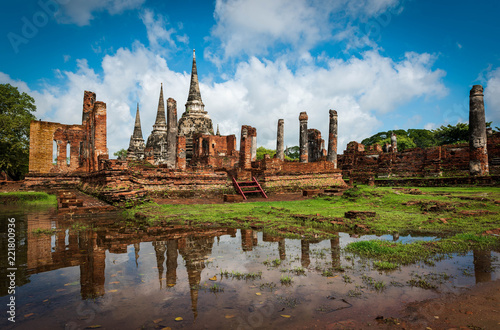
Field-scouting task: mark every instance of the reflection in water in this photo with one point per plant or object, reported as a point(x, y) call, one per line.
point(195, 251)
point(335, 247)
point(305, 260)
point(137, 249)
point(172, 262)
point(92, 265)
point(86, 250)
point(482, 266)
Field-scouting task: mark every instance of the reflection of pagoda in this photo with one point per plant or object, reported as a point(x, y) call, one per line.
point(170, 246)
point(195, 251)
point(160, 248)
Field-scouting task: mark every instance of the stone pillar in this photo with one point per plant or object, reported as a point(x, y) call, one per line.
point(245, 148)
point(181, 153)
point(171, 132)
point(280, 150)
point(252, 132)
point(478, 154)
point(303, 138)
point(332, 138)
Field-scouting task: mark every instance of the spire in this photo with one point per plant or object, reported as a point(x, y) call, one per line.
point(161, 122)
point(194, 97)
point(137, 127)
point(218, 132)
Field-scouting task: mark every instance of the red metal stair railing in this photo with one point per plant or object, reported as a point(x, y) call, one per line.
point(243, 187)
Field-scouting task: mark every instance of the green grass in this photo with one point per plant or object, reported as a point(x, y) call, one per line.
point(384, 265)
point(40, 231)
point(441, 212)
point(394, 252)
point(286, 280)
point(28, 198)
point(311, 217)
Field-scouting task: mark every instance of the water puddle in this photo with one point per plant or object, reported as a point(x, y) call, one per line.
point(182, 277)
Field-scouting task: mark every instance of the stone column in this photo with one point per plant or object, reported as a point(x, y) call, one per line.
point(181, 153)
point(171, 132)
point(245, 148)
point(303, 138)
point(280, 150)
point(252, 132)
point(478, 154)
point(332, 138)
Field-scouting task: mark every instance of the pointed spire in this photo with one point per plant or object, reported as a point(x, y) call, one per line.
point(194, 88)
point(137, 127)
point(161, 122)
point(218, 132)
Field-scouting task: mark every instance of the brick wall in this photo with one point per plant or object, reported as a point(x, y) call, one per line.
point(87, 141)
point(447, 160)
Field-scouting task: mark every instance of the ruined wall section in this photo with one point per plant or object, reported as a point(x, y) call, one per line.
point(87, 142)
point(277, 175)
point(42, 137)
point(447, 160)
point(217, 152)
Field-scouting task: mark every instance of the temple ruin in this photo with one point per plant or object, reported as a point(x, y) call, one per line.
point(185, 156)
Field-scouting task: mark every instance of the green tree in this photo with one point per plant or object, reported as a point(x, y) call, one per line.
point(292, 153)
point(423, 138)
point(261, 151)
point(458, 133)
point(15, 117)
point(121, 154)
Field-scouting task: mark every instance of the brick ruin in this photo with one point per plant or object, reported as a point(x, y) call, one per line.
point(189, 159)
point(479, 157)
point(80, 148)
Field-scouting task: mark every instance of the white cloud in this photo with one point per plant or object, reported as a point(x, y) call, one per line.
point(158, 35)
point(258, 93)
point(492, 97)
point(253, 27)
point(81, 12)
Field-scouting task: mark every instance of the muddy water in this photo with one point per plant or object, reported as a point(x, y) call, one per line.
point(114, 277)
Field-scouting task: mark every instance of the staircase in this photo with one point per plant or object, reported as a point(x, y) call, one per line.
point(248, 187)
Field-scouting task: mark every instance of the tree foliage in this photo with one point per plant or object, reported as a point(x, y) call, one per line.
point(292, 153)
point(423, 138)
point(121, 154)
point(15, 116)
point(452, 134)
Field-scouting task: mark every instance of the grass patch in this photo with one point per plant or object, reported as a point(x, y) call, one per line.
point(442, 211)
point(29, 198)
point(40, 231)
point(395, 252)
point(384, 265)
point(286, 280)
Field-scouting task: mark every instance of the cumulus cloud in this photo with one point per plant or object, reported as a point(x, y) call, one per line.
point(259, 92)
point(253, 27)
point(492, 97)
point(158, 35)
point(81, 12)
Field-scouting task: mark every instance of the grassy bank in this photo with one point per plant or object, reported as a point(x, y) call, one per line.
point(28, 198)
point(437, 211)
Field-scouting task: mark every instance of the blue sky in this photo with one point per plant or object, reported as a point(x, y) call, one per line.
point(382, 64)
